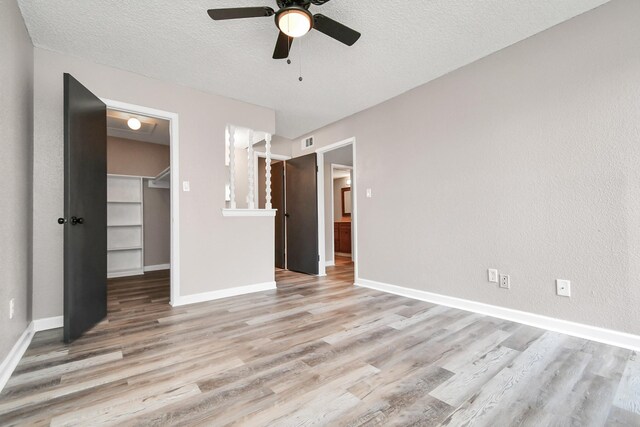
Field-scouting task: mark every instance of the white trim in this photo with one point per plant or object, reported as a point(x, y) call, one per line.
point(127, 273)
point(130, 176)
point(164, 173)
point(225, 293)
point(13, 358)
point(332, 240)
point(161, 185)
point(339, 166)
point(256, 155)
point(335, 166)
point(322, 250)
point(48, 323)
point(580, 330)
point(354, 208)
point(248, 212)
point(330, 263)
point(174, 162)
point(157, 267)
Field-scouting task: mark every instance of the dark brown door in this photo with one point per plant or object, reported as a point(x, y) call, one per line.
point(277, 195)
point(302, 214)
point(85, 209)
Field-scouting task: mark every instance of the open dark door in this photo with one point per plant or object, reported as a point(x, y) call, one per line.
point(302, 214)
point(85, 209)
point(277, 199)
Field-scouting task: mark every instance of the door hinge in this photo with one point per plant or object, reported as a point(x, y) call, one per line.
point(318, 257)
point(317, 170)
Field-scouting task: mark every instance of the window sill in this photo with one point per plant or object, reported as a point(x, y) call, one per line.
point(248, 212)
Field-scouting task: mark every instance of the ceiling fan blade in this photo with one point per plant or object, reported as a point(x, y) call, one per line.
point(240, 12)
point(283, 46)
point(334, 29)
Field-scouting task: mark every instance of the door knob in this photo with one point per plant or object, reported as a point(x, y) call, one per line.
point(287, 215)
point(75, 220)
point(62, 221)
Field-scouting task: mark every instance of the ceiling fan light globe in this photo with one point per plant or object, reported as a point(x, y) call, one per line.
point(294, 22)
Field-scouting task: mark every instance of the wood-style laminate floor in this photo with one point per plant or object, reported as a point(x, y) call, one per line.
point(316, 351)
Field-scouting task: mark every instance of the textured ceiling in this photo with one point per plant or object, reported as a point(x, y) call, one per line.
point(403, 45)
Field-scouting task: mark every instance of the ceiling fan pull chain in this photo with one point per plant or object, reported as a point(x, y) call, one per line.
point(300, 59)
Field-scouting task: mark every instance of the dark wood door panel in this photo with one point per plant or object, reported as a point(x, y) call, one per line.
point(302, 214)
point(85, 209)
point(277, 195)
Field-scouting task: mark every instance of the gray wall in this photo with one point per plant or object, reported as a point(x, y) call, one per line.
point(242, 178)
point(129, 157)
point(214, 250)
point(16, 143)
point(279, 145)
point(527, 161)
point(341, 156)
point(157, 225)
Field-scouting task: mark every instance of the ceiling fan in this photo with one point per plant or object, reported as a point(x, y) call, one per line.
point(294, 20)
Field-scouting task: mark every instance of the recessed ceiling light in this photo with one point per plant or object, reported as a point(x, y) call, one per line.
point(294, 21)
point(133, 123)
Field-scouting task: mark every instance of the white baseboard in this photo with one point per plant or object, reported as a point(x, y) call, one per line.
point(580, 330)
point(48, 323)
point(13, 358)
point(331, 263)
point(224, 293)
point(157, 267)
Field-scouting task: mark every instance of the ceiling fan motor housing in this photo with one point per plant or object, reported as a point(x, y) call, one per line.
point(288, 9)
point(288, 3)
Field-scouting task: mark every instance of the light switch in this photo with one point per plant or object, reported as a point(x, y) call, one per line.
point(492, 274)
point(186, 186)
point(368, 193)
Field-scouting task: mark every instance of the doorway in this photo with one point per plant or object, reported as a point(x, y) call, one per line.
point(138, 206)
point(157, 140)
point(341, 201)
point(278, 199)
point(294, 190)
point(337, 213)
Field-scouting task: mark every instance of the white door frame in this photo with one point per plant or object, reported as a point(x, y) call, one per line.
point(322, 271)
point(335, 166)
point(174, 146)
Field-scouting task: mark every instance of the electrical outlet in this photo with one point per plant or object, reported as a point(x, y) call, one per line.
point(186, 186)
point(505, 281)
point(563, 287)
point(12, 307)
point(492, 275)
point(368, 193)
